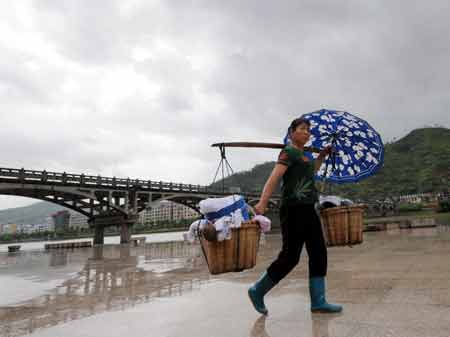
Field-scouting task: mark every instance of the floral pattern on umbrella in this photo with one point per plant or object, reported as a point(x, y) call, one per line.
point(358, 148)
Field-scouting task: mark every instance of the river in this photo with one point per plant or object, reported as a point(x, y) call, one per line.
point(156, 237)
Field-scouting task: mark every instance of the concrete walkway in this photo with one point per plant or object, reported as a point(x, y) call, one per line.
point(397, 283)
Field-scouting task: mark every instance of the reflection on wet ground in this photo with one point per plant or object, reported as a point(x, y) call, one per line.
point(93, 280)
point(396, 283)
point(319, 327)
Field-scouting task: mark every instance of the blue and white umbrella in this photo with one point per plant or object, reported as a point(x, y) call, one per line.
point(358, 150)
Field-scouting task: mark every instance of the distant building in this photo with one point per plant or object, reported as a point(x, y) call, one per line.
point(24, 228)
point(49, 222)
point(44, 227)
point(69, 219)
point(167, 211)
point(419, 198)
point(34, 228)
point(10, 228)
point(61, 219)
point(78, 220)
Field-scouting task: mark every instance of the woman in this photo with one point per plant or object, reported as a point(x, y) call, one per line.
point(299, 221)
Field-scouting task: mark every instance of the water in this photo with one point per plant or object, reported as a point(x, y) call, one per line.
point(38, 245)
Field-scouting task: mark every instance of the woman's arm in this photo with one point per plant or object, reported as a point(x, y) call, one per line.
point(317, 163)
point(269, 187)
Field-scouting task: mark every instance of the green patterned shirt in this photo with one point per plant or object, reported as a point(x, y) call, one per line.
point(298, 181)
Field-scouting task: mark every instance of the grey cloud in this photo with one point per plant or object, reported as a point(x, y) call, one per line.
point(19, 82)
point(84, 31)
point(176, 77)
point(224, 71)
point(380, 60)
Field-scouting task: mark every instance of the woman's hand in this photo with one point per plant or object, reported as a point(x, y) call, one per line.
point(260, 208)
point(325, 152)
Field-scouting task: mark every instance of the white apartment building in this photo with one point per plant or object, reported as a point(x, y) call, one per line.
point(167, 211)
point(25, 228)
point(420, 197)
point(78, 220)
point(35, 228)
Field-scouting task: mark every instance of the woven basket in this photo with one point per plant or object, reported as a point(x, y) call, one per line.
point(355, 223)
point(343, 225)
point(335, 221)
point(233, 255)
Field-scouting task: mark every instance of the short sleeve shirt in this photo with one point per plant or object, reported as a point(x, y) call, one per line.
point(298, 185)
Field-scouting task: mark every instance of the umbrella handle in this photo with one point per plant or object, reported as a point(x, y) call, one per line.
point(333, 154)
point(333, 161)
point(324, 179)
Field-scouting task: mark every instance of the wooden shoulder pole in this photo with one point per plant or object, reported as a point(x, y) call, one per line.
point(260, 145)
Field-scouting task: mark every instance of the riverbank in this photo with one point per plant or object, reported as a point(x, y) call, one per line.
point(407, 216)
point(91, 235)
point(172, 236)
point(440, 217)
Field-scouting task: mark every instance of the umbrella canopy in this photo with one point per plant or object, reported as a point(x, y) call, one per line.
point(358, 148)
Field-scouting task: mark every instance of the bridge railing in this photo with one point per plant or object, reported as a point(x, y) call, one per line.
point(58, 178)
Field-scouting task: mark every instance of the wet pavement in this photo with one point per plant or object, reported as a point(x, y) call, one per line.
point(397, 283)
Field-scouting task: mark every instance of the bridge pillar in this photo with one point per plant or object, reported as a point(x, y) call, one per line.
point(125, 233)
point(99, 234)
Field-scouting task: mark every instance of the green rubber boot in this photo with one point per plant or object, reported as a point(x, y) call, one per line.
point(318, 300)
point(257, 292)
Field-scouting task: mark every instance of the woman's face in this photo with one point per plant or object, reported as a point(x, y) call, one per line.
point(301, 134)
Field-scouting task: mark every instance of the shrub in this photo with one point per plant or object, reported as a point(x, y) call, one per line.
point(6, 237)
point(410, 207)
point(444, 206)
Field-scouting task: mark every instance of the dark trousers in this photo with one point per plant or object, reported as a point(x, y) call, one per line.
point(300, 225)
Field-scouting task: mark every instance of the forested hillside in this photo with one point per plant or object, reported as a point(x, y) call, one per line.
point(419, 162)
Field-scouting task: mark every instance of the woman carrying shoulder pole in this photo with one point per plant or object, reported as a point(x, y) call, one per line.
point(299, 221)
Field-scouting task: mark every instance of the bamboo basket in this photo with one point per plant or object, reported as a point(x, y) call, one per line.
point(335, 221)
point(233, 255)
point(343, 225)
point(355, 223)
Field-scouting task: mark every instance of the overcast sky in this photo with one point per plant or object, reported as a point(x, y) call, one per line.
point(141, 89)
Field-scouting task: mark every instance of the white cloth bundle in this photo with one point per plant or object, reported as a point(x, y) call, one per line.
point(225, 213)
point(193, 229)
point(233, 206)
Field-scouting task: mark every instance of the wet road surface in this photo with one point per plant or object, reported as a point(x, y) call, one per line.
point(397, 283)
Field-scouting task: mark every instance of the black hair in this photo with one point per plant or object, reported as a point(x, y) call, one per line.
point(296, 122)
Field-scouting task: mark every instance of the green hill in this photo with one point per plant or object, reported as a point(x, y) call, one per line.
point(34, 214)
point(417, 163)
